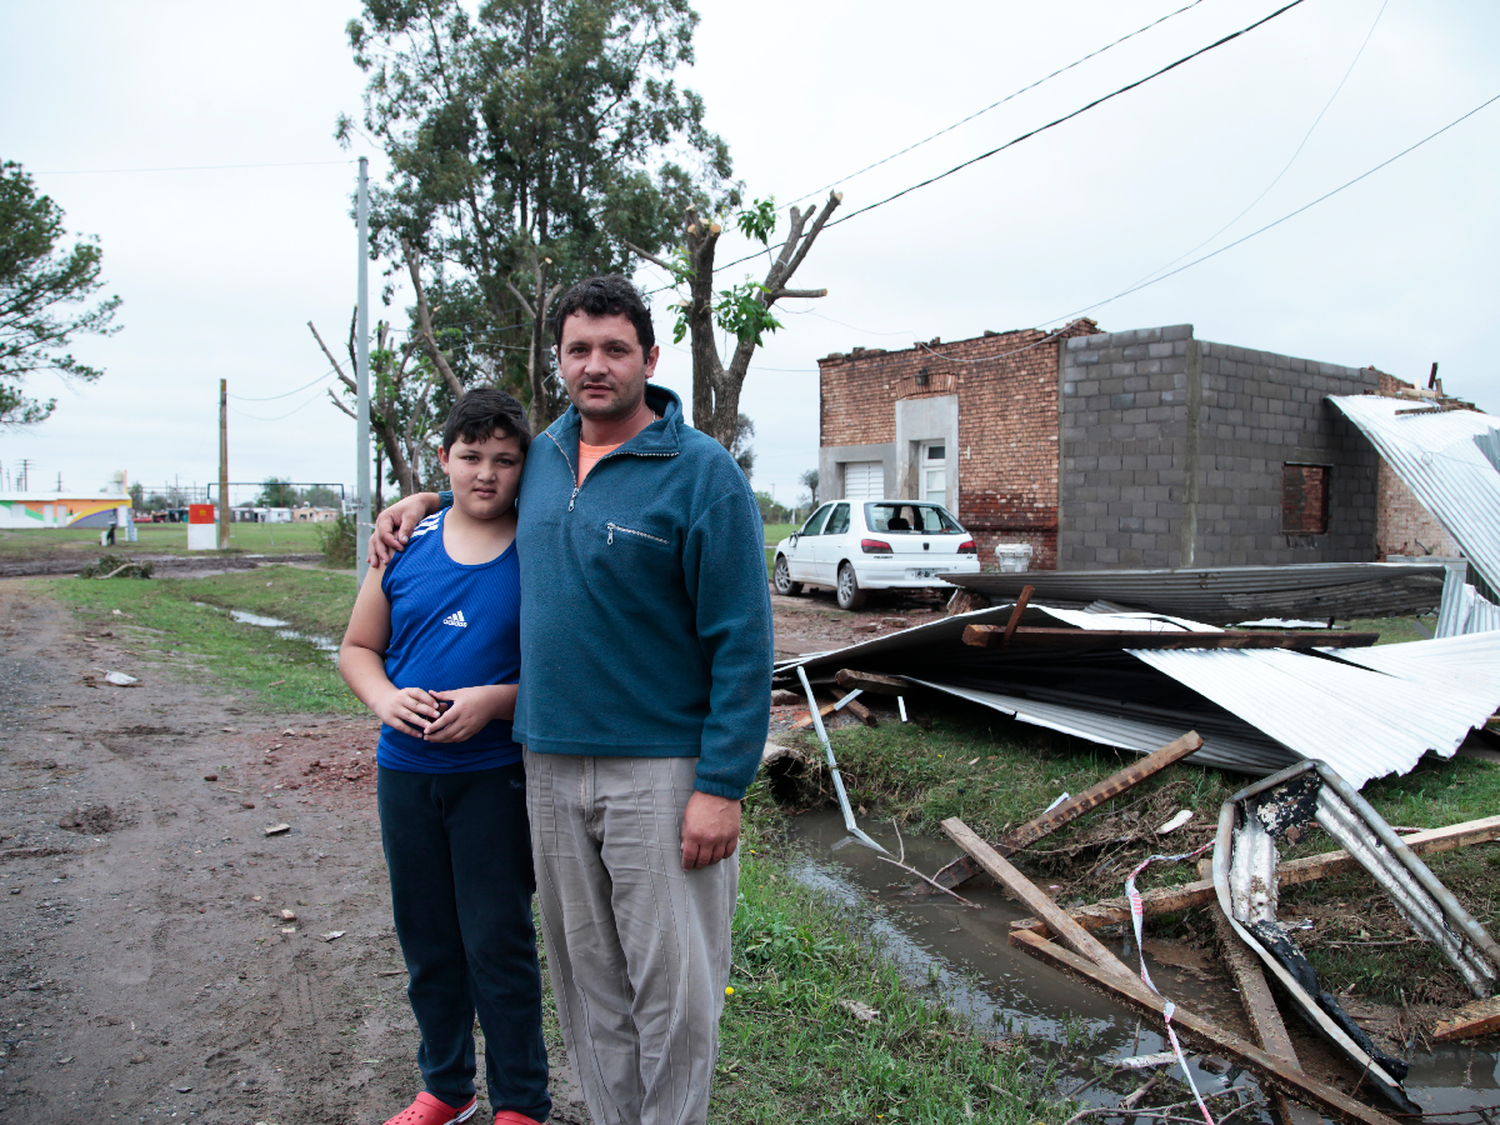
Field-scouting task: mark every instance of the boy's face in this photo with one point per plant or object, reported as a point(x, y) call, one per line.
point(485, 475)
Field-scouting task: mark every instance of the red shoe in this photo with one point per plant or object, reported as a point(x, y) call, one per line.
point(428, 1110)
point(511, 1117)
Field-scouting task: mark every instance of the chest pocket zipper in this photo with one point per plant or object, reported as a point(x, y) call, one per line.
point(614, 527)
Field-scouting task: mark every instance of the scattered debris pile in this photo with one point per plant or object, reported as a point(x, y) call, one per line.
point(118, 566)
point(1242, 894)
point(1261, 700)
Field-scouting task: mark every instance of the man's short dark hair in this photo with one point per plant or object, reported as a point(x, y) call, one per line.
point(605, 296)
point(483, 411)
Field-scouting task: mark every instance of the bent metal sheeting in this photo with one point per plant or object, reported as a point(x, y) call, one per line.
point(1366, 712)
point(1450, 459)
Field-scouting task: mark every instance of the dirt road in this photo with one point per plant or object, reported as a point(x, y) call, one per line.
point(147, 968)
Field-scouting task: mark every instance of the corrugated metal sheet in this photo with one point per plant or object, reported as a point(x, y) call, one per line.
point(1464, 609)
point(1444, 457)
point(1366, 712)
point(1224, 595)
point(1227, 742)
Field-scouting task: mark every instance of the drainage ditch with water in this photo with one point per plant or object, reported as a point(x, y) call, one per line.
point(964, 955)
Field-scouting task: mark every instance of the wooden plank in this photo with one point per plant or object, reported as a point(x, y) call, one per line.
point(1479, 1017)
point(1167, 900)
point(807, 720)
point(874, 682)
point(861, 712)
point(1015, 615)
point(1260, 1009)
point(1206, 1035)
point(1068, 931)
point(1111, 640)
point(964, 867)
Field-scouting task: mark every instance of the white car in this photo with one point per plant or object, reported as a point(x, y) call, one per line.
point(859, 545)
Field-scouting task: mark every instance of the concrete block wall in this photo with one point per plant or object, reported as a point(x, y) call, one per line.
point(1003, 465)
point(1173, 451)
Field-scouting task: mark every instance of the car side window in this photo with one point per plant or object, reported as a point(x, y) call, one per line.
point(814, 524)
point(838, 523)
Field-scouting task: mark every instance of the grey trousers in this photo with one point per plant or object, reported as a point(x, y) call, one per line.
point(637, 948)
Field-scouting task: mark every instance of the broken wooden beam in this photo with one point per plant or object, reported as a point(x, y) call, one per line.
point(1168, 900)
point(1026, 637)
point(807, 720)
point(1074, 936)
point(1479, 1017)
point(858, 710)
point(873, 682)
point(1015, 616)
point(1201, 1032)
point(965, 867)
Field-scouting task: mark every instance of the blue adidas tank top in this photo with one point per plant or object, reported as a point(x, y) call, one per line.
point(452, 626)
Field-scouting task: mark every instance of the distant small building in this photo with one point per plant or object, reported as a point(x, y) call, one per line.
point(314, 515)
point(58, 509)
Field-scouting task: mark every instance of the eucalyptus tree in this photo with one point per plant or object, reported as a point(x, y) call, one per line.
point(529, 142)
point(38, 282)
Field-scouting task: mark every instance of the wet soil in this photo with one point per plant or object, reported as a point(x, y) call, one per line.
point(61, 562)
point(194, 918)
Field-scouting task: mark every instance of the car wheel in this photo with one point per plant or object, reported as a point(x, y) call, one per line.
point(849, 594)
point(781, 576)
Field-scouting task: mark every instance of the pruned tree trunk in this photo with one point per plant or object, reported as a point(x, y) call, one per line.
point(716, 389)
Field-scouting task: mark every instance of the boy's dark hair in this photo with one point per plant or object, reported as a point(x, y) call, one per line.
point(483, 411)
point(605, 296)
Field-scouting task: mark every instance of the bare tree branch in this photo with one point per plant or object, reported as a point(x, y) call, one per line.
point(424, 323)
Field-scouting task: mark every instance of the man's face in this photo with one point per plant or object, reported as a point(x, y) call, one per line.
point(603, 366)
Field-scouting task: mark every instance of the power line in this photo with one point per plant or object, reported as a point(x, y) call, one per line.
point(994, 105)
point(1039, 129)
point(192, 168)
point(1284, 218)
point(1066, 117)
point(288, 394)
point(279, 417)
point(1305, 138)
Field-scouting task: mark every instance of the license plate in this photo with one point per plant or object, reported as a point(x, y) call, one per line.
point(923, 572)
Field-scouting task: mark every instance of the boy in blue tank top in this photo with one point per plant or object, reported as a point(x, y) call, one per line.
point(433, 648)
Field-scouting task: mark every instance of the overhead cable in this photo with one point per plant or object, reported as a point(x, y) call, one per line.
point(288, 394)
point(993, 105)
point(1305, 138)
point(1039, 129)
point(1066, 117)
point(1284, 218)
point(195, 168)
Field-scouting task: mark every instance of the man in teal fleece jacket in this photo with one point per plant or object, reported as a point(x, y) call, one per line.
point(644, 704)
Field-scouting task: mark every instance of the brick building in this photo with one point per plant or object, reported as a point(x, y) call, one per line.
point(1144, 448)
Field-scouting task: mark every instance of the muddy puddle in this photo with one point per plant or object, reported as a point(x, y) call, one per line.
point(285, 631)
point(963, 955)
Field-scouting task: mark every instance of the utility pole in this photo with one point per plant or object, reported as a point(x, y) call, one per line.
point(362, 374)
point(223, 464)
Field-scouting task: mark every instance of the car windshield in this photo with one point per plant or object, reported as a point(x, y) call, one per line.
point(920, 519)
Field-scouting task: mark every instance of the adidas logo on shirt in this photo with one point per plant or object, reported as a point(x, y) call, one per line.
point(456, 618)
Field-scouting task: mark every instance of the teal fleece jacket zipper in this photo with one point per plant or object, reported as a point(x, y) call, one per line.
point(645, 614)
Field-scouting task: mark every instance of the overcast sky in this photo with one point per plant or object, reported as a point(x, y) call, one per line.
point(220, 270)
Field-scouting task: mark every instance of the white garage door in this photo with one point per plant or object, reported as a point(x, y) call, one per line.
point(864, 480)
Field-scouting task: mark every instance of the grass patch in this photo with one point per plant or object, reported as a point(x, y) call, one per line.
point(162, 622)
point(167, 539)
point(312, 601)
point(793, 1046)
point(995, 774)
